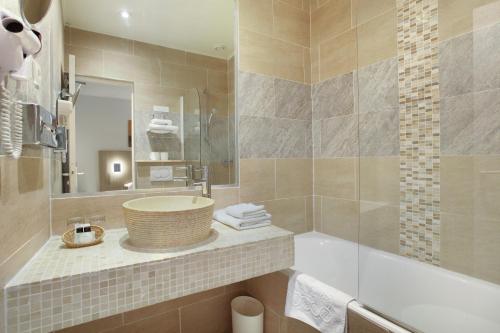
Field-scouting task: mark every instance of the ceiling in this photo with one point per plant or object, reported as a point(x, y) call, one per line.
point(191, 25)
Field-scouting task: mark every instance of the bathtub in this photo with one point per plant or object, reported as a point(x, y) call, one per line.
point(427, 298)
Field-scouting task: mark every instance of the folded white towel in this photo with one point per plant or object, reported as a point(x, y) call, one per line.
point(241, 224)
point(245, 210)
point(163, 127)
point(157, 121)
point(316, 304)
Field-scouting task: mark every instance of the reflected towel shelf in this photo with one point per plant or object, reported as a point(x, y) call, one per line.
point(160, 161)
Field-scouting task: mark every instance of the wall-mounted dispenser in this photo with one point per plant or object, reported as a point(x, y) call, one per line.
point(39, 126)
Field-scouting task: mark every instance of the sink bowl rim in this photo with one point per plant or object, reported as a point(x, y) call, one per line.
point(206, 202)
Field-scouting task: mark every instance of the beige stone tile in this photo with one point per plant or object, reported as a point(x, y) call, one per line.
point(165, 54)
point(289, 214)
point(185, 77)
point(307, 65)
point(225, 196)
point(331, 19)
point(310, 212)
point(166, 322)
point(317, 213)
point(108, 205)
point(146, 96)
point(288, 60)
point(340, 218)
point(199, 60)
point(291, 325)
point(379, 226)
point(338, 55)
point(256, 15)
point(291, 23)
point(293, 177)
point(270, 289)
point(377, 39)
point(168, 306)
point(457, 184)
point(94, 40)
point(487, 187)
point(24, 205)
point(210, 316)
point(457, 243)
point(217, 82)
point(379, 179)
point(365, 10)
point(456, 17)
point(256, 54)
point(88, 62)
point(358, 324)
point(10, 266)
point(336, 177)
point(131, 68)
point(486, 249)
point(257, 180)
point(302, 4)
point(96, 326)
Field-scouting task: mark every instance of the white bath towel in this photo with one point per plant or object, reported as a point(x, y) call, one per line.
point(157, 121)
point(245, 210)
point(163, 127)
point(241, 224)
point(316, 304)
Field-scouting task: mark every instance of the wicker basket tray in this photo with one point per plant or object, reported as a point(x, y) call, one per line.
point(69, 237)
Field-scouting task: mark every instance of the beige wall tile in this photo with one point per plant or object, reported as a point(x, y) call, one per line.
point(165, 54)
point(96, 326)
point(340, 218)
point(89, 62)
point(146, 96)
point(338, 55)
point(210, 316)
point(225, 196)
point(315, 64)
point(131, 68)
point(379, 226)
point(293, 178)
point(487, 187)
point(457, 243)
point(302, 4)
point(486, 249)
point(288, 61)
point(456, 16)
point(291, 23)
point(307, 65)
point(317, 213)
point(292, 325)
point(365, 10)
point(166, 322)
point(336, 177)
point(377, 39)
point(310, 212)
point(331, 19)
point(271, 321)
point(457, 184)
point(217, 82)
point(289, 214)
point(270, 289)
point(379, 179)
point(110, 206)
point(257, 180)
point(24, 202)
point(256, 15)
point(185, 77)
point(103, 42)
point(200, 60)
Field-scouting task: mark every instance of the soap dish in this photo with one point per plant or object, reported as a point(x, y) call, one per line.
point(69, 237)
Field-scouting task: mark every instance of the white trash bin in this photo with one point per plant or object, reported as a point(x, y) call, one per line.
point(248, 315)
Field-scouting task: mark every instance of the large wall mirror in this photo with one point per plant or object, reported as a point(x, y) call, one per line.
point(153, 94)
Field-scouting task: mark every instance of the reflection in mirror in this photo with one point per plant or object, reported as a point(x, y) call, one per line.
point(33, 11)
point(176, 58)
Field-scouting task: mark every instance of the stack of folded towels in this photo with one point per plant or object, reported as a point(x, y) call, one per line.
point(243, 216)
point(162, 126)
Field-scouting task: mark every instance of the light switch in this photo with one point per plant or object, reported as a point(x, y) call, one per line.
point(161, 173)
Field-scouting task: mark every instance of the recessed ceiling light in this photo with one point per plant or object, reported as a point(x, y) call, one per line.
point(124, 14)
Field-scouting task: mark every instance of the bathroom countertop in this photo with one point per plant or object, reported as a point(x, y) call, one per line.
point(61, 287)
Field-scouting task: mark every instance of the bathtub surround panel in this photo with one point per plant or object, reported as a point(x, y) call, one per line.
point(60, 288)
point(420, 129)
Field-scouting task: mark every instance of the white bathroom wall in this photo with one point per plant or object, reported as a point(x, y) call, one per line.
point(102, 124)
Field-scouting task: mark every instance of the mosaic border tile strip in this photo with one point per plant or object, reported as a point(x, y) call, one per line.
point(418, 71)
point(46, 296)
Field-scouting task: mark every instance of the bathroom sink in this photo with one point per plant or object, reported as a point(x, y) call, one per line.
point(168, 221)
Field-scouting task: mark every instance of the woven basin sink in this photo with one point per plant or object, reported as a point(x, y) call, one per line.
point(168, 221)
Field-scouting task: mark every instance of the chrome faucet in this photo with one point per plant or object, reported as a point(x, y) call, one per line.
point(193, 180)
